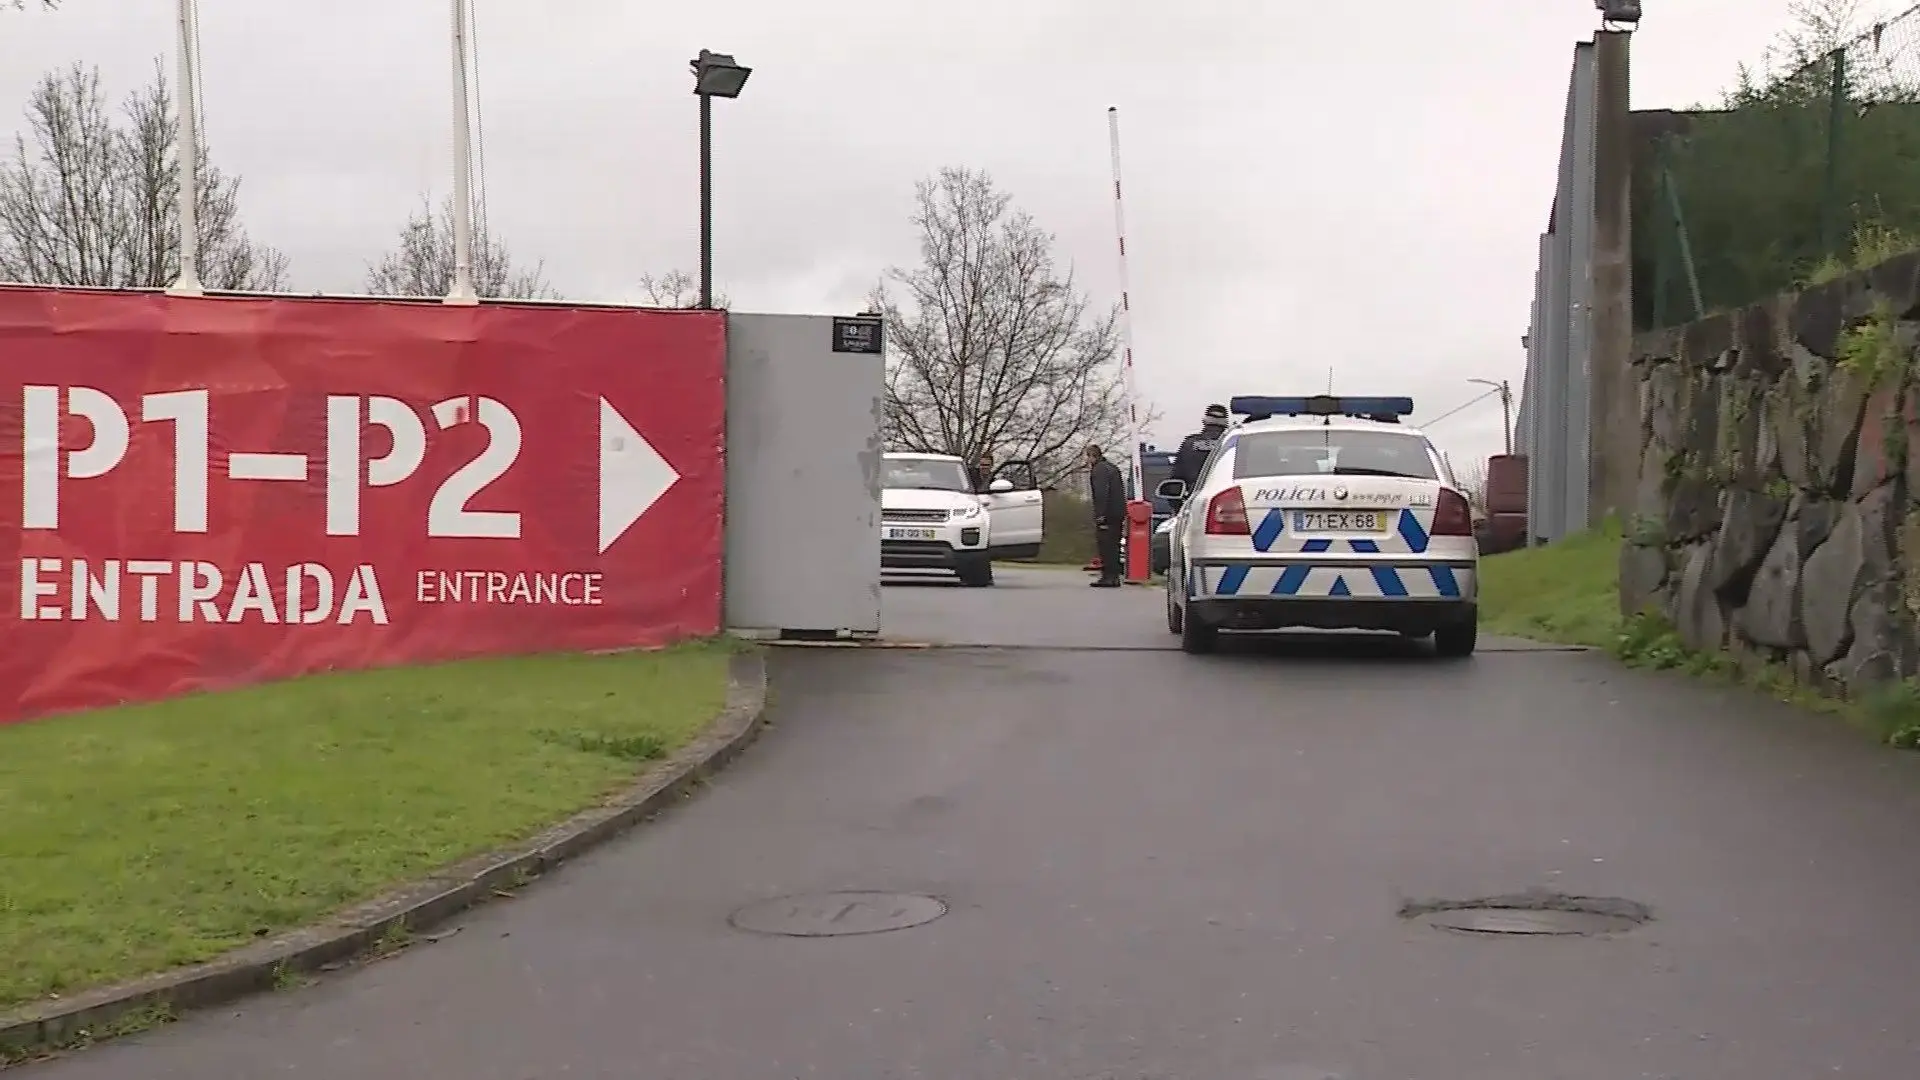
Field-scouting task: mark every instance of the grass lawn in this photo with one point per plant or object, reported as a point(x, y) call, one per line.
point(144, 837)
point(1566, 592)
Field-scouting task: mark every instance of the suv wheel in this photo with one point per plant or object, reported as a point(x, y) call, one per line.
point(977, 574)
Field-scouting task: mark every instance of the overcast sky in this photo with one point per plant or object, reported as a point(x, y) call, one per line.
point(1355, 185)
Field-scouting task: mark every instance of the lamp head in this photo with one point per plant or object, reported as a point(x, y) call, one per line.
point(718, 75)
point(1619, 14)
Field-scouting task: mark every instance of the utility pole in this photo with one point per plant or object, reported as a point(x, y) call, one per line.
point(1506, 415)
point(1506, 408)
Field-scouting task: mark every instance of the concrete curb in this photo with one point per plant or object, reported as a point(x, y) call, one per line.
point(847, 643)
point(263, 965)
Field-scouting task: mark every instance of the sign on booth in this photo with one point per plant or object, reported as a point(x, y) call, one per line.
point(216, 492)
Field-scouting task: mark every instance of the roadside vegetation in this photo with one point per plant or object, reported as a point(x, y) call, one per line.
point(1567, 593)
point(1069, 539)
point(1768, 189)
point(141, 838)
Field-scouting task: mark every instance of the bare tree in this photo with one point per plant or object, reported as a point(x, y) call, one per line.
point(421, 264)
point(1473, 481)
point(677, 289)
point(1819, 27)
point(89, 199)
point(991, 348)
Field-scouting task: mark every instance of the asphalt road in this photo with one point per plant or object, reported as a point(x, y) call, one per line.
point(1161, 867)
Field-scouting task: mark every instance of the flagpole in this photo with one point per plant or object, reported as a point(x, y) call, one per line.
point(462, 291)
point(187, 153)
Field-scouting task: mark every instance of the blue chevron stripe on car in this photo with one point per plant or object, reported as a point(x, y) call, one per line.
point(1232, 580)
point(1334, 581)
point(1412, 532)
point(1290, 580)
point(1270, 529)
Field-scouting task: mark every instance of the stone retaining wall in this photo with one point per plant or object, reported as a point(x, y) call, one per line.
point(1774, 516)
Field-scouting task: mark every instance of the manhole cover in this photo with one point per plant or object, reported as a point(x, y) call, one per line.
point(838, 914)
point(1533, 913)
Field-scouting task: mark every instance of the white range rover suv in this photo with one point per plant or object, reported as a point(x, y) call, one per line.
point(931, 518)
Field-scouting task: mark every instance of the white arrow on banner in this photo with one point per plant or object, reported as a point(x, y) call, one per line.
point(633, 475)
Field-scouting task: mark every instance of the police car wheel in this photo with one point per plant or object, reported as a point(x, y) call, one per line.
point(1456, 640)
point(1197, 636)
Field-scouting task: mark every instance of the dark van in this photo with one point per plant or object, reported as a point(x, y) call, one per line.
point(1506, 504)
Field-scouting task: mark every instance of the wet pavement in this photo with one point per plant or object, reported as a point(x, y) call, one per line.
point(1162, 867)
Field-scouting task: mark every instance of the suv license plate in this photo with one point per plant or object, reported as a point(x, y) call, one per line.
point(1339, 521)
point(893, 533)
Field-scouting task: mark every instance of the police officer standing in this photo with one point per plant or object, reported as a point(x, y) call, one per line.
point(1109, 514)
point(1195, 448)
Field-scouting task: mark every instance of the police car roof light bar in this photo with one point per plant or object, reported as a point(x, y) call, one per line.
point(1385, 409)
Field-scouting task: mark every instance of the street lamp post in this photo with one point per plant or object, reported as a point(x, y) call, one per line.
point(461, 290)
point(714, 75)
point(1506, 408)
point(187, 151)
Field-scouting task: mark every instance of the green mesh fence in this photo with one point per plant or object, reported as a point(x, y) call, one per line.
point(1800, 177)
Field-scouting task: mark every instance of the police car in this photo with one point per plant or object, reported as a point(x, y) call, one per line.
point(1325, 513)
point(931, 518)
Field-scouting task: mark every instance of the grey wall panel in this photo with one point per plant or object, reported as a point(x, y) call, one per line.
point(1558, 399)
point(1577, 457)
point(803, 478)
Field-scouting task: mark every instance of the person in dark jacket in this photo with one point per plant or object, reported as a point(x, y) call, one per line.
point(1195, 448)
point(1109, 491)
point(981, 473)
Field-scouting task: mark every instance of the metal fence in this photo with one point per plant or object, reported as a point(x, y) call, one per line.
point(1803, 175)
point(1556, 400)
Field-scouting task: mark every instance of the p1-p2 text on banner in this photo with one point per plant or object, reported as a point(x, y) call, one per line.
point(215, 492)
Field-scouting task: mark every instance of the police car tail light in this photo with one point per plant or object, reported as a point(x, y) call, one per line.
point(1227, 514)
point(1451, 515)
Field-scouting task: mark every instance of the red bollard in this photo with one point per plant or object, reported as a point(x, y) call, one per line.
point(1139, 538)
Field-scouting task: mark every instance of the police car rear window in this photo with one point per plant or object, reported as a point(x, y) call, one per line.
point(1332, 451)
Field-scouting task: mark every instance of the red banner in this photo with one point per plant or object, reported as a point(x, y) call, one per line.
point(214, 492)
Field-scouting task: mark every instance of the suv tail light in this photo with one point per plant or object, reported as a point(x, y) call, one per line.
point(1227, 514)
point(1451, 515)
